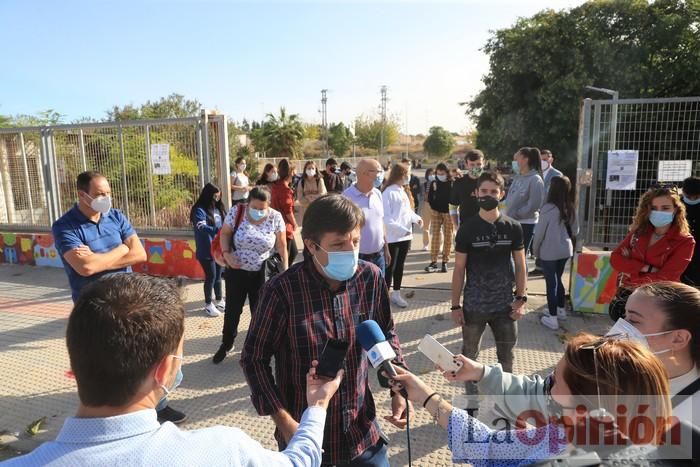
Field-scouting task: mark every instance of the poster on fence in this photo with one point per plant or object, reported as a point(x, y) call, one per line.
point(622, 170)
point(160, 159)
point(675, 171)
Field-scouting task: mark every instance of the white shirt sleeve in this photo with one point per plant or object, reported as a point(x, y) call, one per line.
point(304, 448)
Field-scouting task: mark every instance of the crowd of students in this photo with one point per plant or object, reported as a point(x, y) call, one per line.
point(357, 228)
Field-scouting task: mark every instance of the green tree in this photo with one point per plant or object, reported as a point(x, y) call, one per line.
point(539, 69)
point(312, 131)
point(439, 142)
point(172, 106)
point(339, 139)
point(369, 132)
point(283, 135)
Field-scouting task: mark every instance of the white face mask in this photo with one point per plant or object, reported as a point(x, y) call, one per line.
point(101, 204)
point(622, 326)
point(311, 172)
point(273, 176)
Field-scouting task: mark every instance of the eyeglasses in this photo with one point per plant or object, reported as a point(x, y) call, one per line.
point(601, 413)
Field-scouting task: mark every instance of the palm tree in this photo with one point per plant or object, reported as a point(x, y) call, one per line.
point(284, 134)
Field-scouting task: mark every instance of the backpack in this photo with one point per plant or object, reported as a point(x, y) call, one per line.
point(216, 251)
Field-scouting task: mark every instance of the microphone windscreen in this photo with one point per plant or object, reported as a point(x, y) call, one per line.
point(369, 333)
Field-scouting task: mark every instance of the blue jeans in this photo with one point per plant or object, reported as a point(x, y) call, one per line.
point(375, 456)
point(376, 259)
point(553, 271)
point(212, 279)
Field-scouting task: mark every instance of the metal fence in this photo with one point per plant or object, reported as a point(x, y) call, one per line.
point(659, 129)
point(39, 166)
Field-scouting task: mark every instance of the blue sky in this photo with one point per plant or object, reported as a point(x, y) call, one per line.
point(249, 58)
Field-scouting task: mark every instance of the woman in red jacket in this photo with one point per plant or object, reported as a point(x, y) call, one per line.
point(283, 201)
point(659, 246)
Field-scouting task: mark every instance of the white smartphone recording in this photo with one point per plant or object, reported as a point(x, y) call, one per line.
point(438, 354)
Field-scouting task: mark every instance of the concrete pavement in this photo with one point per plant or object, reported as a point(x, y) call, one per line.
point(36, 381)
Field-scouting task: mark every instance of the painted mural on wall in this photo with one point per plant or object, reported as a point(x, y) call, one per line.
point(594, 282)
point(166, 257)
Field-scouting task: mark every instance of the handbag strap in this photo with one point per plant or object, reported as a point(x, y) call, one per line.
point(240, 212)
point(686, 392)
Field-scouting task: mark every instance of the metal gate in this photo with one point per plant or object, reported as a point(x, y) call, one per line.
point(659, 129)
point(39, 166)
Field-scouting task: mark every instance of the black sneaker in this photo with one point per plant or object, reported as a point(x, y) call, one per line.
point(168, 414)
point(432, 267)
point(536, 273)
point(444, 267)
point(220, 355)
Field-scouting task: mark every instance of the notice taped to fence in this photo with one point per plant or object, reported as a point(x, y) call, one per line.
point(675, 171)
point(160, 159)
point(622, 170)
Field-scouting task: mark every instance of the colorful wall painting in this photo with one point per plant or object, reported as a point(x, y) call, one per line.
point(166, 256)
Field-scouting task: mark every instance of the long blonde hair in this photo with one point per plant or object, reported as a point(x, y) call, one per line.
point(641, 223)
point(397, 175)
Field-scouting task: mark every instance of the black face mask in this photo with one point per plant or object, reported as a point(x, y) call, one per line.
point(488, 203)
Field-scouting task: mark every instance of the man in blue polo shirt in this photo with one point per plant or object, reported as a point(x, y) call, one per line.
point(94, 240)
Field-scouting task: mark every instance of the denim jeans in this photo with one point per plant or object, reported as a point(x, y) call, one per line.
point(553, 271)
point(375, 456)
point(212, 279)
point(505, 333)
point(376, 259)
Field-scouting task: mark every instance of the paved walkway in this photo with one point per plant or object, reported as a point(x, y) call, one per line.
point(36, 382)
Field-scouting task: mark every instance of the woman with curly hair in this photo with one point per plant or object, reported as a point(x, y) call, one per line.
point(658, 247)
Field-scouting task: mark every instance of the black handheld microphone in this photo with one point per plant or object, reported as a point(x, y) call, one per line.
point(378, 350)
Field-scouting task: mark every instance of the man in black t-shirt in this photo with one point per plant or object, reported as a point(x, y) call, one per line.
point(463, 199)
point(485, 245)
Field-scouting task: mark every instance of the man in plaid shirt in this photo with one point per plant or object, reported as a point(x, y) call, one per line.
point(324, 297)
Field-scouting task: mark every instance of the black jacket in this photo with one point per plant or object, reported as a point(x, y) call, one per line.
point(439, 196)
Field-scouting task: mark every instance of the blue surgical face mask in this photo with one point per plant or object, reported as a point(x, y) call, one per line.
point(341, 264)
point(257, 214)
point(690, 202)
point(379, 180)
point(660, 218)
point(176, 383)
point(431, 178)
point(442, 178)
point(516, 167)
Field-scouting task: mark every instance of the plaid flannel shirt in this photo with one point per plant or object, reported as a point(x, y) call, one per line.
point(296, 314)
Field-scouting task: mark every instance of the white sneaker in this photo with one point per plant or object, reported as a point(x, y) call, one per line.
point(425, 248)
point(211, 310)
point(561, 313)
point(550, 322)
point(546, 312)
point(221, 304)
point(397, 299)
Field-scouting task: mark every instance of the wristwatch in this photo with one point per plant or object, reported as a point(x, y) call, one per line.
point(456, 307)
point(522, 298)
